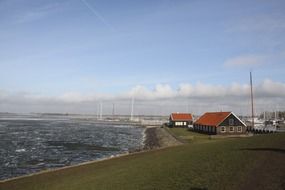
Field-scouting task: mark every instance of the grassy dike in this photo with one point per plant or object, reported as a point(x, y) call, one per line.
point(233, 163)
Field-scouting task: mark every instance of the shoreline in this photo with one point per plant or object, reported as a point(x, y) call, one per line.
point(154, 138)
point(158, 137)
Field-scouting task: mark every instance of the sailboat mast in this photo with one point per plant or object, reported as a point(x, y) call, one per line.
point(275, 115)
point(101, 110)
point(251, 95)
point(113, 111)
point(132, 109)
point(98, 108)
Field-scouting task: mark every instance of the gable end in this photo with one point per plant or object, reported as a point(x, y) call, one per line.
point(236, 121)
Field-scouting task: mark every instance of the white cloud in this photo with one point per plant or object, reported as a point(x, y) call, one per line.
point(160, 91)
point(246, 61)
point(162, 98)
point(185, 90)
point(267, 88)
point(75, 97)
point(239, 89)
point(199, 90)
point(207, 90)
point(271, 89)
point(2, 93)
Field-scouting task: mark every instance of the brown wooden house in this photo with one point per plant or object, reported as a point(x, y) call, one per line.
point(222, 123)
point(180, 119)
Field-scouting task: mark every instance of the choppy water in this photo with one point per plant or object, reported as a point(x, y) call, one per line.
point(33, 143)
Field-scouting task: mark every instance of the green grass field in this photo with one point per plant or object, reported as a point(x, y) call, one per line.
point(240, 163)
point(189, 136)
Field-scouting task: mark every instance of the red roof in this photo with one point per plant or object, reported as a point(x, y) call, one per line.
point(212, 118)
point(181, 117)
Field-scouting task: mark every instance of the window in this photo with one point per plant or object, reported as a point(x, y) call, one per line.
point(239, 129)
point(231, 121)
point(180, 123)
point(231, 129)
point(223, 129)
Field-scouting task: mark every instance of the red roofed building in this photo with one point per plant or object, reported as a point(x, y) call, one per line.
point(180, 119)
point(220, 123)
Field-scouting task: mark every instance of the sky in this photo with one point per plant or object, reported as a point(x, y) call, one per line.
point(171, 56)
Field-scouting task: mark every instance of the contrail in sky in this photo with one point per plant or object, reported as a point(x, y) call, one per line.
point(97, 14)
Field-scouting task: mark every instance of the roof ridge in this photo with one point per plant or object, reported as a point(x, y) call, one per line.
point(213, 118)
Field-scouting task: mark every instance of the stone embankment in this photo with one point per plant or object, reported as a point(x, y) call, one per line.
point(157, 137)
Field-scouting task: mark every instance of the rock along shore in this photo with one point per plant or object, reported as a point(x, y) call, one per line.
point(157, 137)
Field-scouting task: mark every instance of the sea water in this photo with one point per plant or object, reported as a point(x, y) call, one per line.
point(32, 143)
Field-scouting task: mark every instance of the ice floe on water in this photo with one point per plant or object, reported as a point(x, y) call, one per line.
point(20, 150)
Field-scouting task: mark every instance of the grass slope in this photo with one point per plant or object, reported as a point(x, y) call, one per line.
point(240, 163)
